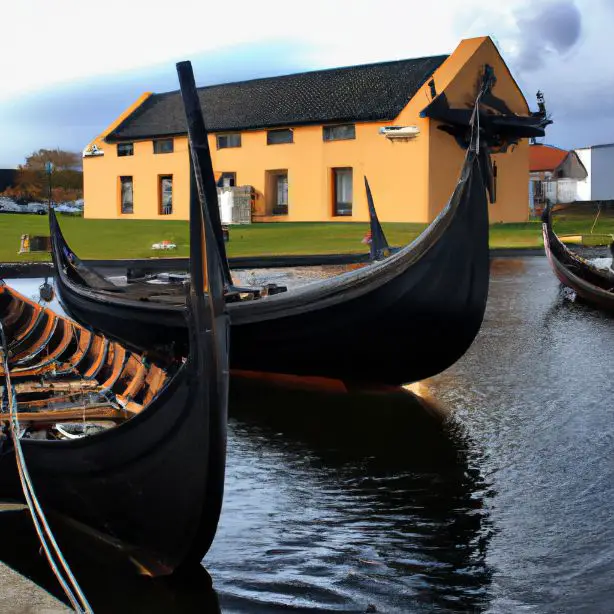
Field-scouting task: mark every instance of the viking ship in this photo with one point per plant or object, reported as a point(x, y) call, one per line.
point(591, 284)
point(125, 446)
point(400, 319)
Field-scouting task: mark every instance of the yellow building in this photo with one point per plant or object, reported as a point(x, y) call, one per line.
point(305, 141)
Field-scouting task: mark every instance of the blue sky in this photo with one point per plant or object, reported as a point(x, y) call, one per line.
point(79, 64)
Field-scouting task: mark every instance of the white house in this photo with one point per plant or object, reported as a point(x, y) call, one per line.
point(555, 175)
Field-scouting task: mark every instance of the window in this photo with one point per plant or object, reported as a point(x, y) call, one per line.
point(125, 149)
point(228, 140)
point(339, 133)
point(281, 204)
point(227, 180)
point(166, 194)
point(126, 195)
point(163, 146)
point(277, 137)
point(342, 188)
point(277, 192)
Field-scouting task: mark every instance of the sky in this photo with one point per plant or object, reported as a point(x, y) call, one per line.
point(68, 68)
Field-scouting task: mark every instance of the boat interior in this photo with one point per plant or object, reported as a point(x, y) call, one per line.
point(164, 288)
point(68, 382)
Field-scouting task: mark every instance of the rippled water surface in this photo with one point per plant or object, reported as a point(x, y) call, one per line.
point(366, 501)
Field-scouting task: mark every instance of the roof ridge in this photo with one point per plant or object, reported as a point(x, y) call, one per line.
point(310, 72)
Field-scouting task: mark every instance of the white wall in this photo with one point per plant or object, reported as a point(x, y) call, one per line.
point(567, 190)
point(584, 186)
point(602, 172)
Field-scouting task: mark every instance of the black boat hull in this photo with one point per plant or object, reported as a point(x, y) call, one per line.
point(122, 485)
point(406, 318)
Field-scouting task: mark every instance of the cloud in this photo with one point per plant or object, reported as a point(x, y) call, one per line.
point(550, 28)
point(557, 47)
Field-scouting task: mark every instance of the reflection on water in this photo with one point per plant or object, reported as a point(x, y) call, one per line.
point(534, 394)
point(494, 494)
point(339, 501)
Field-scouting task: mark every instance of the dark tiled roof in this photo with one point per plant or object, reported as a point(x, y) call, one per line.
point(357, 93)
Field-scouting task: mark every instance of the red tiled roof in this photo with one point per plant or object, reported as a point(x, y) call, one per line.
point(545, 157)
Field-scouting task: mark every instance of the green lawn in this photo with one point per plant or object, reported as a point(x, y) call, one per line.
point(106, 239)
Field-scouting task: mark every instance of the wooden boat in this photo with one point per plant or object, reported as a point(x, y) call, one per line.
point(402, 319)
point(129, 449)
point(590, 283)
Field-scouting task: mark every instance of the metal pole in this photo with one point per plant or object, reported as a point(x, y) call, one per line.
point(49, 170)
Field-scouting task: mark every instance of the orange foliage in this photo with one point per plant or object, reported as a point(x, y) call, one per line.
point(32, 182)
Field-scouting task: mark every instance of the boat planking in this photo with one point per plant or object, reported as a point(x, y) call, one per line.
point(591, 284)
point(398, 320)
point(126, 448)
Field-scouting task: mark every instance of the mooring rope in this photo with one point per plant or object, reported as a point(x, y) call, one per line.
point(596, 217)
point(69, 584)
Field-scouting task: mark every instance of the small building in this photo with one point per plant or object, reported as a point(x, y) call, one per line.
point(302, 143)
point(555, 175)
point(598, 161)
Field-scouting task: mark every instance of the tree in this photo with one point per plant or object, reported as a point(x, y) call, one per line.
point(61, 160)
point(32, 181)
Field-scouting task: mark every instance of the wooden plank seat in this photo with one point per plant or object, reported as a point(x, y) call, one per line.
point(102, 411)
point(44, 386)
point(35, 371)
point(69, 399)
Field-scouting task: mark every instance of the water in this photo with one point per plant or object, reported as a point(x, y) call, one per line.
point(345, 502)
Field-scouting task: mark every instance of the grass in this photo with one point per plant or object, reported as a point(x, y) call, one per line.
point(108, 239)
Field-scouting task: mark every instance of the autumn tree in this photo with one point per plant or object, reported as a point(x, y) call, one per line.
point(61, 160)
point(32, 181)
